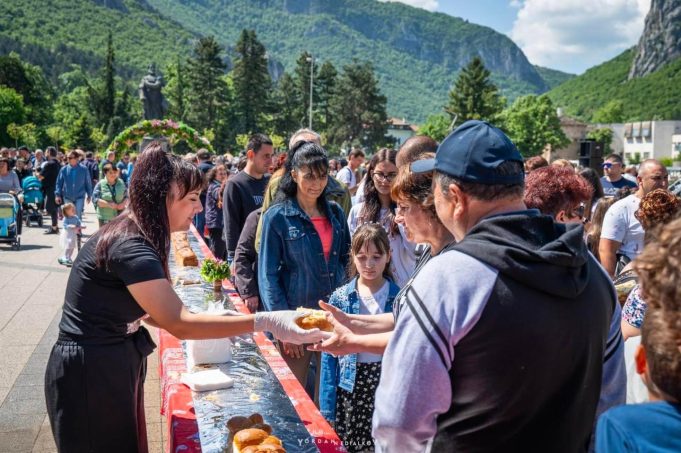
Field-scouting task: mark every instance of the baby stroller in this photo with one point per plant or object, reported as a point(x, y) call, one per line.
point(9, 208)
point(33, 200)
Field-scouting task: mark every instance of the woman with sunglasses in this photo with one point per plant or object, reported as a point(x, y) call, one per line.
point(305, 244)
point(110, 196)
point(379, 207)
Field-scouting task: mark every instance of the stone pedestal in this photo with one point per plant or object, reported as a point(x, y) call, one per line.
point(148, 139)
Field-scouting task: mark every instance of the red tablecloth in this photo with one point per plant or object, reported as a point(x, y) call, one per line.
point(178, 406)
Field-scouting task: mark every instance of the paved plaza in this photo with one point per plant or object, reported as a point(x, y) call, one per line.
point(32, 286)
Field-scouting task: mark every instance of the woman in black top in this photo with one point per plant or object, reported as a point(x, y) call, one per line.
point(94, 380)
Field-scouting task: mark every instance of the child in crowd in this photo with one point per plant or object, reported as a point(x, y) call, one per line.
point(70, 229)
point(348, 383)
point(653, 426)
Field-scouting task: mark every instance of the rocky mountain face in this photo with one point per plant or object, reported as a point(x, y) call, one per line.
point(661, 40)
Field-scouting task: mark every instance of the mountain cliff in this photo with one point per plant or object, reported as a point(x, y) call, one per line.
point(661, 40)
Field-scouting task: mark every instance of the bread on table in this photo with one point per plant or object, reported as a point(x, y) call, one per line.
point(315, 319)
point(247, 437)
point(186, 257)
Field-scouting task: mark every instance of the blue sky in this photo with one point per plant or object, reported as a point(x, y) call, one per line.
point(569, 35)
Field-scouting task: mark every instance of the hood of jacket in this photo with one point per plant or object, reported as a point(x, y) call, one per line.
point(532, 249)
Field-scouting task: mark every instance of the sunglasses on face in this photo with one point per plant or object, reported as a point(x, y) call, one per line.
point(609, 164)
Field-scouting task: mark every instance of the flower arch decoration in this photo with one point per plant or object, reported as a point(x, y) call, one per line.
point(174, 131)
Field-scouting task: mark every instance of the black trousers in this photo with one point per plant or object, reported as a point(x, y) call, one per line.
point(217, 244)
point(95, 394)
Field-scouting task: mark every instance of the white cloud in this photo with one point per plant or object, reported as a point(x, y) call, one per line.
point(430, 5)
point(574, 35)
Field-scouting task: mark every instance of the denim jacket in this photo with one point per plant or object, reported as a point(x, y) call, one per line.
point(292, 269)
point(340, 371)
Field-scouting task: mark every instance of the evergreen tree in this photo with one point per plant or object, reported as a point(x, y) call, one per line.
point(252, 82)
point(358, 108)
point(175, 90)
point(109, 82)
point(474, 97)
point(207, 93)
point(80, 135)
point(286, 104)
point(302, 86)
point(326, 81)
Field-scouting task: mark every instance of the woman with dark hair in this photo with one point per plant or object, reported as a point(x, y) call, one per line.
point(94, 382)
point(305, 244)
point(379, 207)
point(594, 181)
point(215, 178)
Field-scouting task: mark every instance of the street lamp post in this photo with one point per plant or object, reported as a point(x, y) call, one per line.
point(311, 60)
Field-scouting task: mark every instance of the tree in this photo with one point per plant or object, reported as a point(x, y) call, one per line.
point(109, 104)
point(436, 127)
point(12, 110)
point(175, 90)
point(326, 81)
point(24, 133)
point(80, 135)
point(302, 85)
point(612, 112)
point(56, 135)
point(474, 96)
point(29, 82)
point(208, 93)
point(358, 108)
point(532, 123)
point(285, 120)
point(252, 82)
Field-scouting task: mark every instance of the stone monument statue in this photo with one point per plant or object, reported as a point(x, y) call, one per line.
point(155, 105)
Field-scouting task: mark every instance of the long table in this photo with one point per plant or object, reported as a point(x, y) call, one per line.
point(264, 383)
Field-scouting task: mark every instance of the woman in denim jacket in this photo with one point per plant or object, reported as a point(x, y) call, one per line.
point(349, 382)
point(305, 244)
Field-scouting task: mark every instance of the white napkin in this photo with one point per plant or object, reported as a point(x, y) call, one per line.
point(203, 381)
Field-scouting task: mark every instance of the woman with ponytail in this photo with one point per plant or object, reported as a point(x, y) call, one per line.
point(94, 382)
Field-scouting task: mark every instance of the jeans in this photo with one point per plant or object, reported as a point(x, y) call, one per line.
point(79, 204)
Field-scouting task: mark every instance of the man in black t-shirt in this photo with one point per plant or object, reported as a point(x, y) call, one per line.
point(244, 192)
point(48, 175)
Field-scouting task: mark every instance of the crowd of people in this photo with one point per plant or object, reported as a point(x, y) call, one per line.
point(526, 270)
point(480, 301)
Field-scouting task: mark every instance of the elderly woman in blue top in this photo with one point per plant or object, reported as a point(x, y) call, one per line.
point(305, 244)
point(74, 184)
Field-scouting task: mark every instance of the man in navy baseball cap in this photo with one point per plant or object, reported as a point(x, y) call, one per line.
point(490, 323)
point(473, 153)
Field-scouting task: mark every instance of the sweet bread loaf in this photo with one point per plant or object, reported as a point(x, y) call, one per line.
point(314, 319)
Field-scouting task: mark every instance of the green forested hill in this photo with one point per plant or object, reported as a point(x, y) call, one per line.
point(552, 77)
point(656, 96)
point(417, 54)
point(56, 33)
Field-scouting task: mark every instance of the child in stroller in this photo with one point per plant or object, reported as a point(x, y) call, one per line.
point(9, 215)
point(33, 200)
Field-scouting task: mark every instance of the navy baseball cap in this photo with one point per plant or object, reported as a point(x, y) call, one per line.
point(472, 152)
